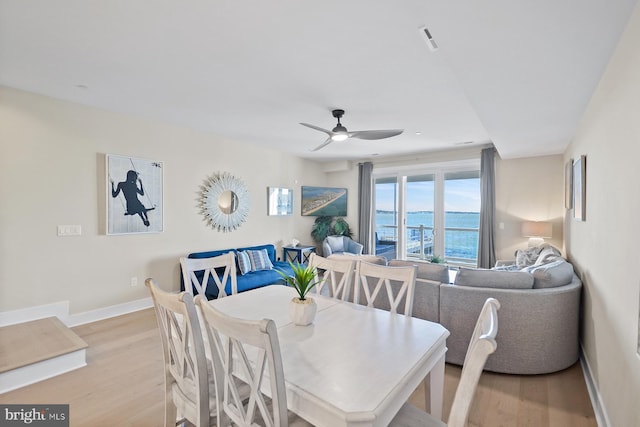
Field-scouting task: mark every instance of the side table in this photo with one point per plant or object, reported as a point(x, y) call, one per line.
point(298, 254)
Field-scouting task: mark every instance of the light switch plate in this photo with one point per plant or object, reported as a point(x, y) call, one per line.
point(69, 230)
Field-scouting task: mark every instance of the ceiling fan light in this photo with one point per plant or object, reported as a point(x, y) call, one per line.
point(340, 136)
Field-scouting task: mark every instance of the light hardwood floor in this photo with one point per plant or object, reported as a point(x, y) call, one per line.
point(123, 385)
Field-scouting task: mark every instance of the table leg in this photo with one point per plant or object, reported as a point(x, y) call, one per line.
point(434, 389)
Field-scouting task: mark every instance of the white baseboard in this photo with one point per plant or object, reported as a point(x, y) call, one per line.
point(596, 400)
point(61, 311)
point(57, 309)
point(35, 372)
point(107, 312)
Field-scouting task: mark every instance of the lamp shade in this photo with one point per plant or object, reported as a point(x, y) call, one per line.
point(536, 229)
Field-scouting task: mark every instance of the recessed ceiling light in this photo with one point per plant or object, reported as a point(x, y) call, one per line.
point(81, 86)
point(418, 133)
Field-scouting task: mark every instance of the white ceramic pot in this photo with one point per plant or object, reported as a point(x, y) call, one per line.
point(302, 312)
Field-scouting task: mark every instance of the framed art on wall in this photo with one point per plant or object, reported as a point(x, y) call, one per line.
point(580, 188)
point(134, 195)
point(568, 184)
point(279, 201)
point(324, 201)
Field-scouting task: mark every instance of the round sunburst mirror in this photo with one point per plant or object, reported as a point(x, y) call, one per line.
point(224, 202)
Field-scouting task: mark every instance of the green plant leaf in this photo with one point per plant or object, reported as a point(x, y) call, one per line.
point(321, 228)
point(302, 280)
point(341, 228)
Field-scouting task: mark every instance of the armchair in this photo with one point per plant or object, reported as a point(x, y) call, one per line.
point(340, 245)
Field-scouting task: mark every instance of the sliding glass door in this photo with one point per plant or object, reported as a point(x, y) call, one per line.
point(461, 216)
point(386, 217)
point(422, 215)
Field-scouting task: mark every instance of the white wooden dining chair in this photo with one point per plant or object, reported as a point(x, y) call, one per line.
point(335, 282)
point(248, 349)
point(186, 380)
point(374, 282)
point(210, 274)
point(482, 344)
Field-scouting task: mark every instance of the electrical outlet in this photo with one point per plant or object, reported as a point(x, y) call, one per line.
point(134, 281)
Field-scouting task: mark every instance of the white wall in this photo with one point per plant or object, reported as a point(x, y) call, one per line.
point(528, 189)
point(52, 173)
point(345, 175)
point(604, 248)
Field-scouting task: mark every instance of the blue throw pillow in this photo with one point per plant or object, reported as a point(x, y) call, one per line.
point(259, 260)
point(244, 263)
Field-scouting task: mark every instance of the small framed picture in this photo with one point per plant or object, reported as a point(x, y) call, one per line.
point(134, 195)
point(580, 188)
point(568, 184)
point(279, 201)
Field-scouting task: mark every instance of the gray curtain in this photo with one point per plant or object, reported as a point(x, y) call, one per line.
point(365, 189)
point(486, 244)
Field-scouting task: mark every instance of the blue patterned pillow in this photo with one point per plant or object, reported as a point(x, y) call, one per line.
point(244, 263)
point(259, 260)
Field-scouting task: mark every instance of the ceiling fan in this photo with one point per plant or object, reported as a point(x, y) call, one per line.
point(340, 133)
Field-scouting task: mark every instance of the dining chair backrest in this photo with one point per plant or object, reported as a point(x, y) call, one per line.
point(336, 279)
point(209, 276)
point(185, 367)
point(482, 344)
point(249, 349)
point(375, 282)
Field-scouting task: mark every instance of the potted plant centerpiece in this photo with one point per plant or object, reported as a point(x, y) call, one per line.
point(302, 309)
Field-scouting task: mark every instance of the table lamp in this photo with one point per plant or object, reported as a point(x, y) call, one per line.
point(536, 232)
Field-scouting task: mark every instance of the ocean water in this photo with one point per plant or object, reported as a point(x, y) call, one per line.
point(458, 243)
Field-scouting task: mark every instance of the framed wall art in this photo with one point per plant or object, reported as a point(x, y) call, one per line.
point(580, 188)
point(324, 201)
point(279, 201)
point(568, 184)
point(134, 195)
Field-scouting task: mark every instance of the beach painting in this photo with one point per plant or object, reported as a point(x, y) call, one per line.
point(324, 201)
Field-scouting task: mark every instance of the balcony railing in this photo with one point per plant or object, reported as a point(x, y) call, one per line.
point(460, 243)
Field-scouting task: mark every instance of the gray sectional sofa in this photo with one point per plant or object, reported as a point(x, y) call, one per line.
point(538, 319)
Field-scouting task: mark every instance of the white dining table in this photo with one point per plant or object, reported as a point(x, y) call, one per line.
point(354, 366)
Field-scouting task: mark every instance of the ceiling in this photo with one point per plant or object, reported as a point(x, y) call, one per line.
point(518, 74)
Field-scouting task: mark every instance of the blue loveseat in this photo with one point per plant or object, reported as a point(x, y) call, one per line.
point(247, 281)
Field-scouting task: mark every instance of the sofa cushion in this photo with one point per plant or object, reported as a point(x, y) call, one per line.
point(494, 279)
point(552, 275)
point(259, 260)
point(244, 263)
point(336, 243)
point(536, 255)
point(271, 250)
point(210, 254)
point(548, 254)
point(426, 270)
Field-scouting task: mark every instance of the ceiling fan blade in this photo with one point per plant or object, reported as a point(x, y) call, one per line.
point(328, 132)
point(324, 144)
point(375, 134)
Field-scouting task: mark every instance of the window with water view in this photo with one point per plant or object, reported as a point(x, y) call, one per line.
point(440, 216)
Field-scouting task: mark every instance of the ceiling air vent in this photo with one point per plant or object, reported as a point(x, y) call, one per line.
point(424, 31)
